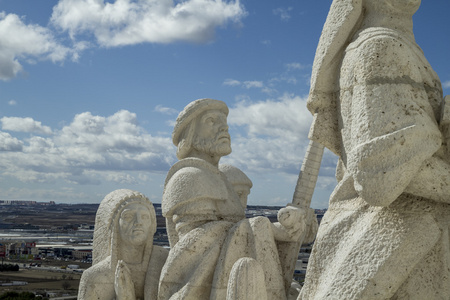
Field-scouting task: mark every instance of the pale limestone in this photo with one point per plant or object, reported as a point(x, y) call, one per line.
point(208, 233)
point(377, 104)
point(126, 265)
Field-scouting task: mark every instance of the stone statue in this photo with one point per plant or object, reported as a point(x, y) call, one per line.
point(215, 252)
point(377, 104)
point(240, 182)
point(126, 265)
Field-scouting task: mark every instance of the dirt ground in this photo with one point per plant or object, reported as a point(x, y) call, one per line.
point(40, 280)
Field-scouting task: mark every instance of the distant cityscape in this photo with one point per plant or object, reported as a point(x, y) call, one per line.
point(34, 233)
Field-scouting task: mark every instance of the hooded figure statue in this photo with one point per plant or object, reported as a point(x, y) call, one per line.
point(125, 265)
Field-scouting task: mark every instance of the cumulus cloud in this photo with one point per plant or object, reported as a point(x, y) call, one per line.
point(128, 22)
point(24, 125)
point(286, 117)
point(446, 84)
point(20, 42)
point(269, 140)
point(9, 143)
point(12, 102)
point(275, 134)
point(89, 150)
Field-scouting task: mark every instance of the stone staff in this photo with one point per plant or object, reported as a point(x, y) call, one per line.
point(302, 199)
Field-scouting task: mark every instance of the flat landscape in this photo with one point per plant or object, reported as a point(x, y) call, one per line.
point(41, 281)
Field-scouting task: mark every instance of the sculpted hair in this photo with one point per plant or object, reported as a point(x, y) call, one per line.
point(186, 140)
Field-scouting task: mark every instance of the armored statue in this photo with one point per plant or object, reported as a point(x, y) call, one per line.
point(216, 253)
point(377, 104)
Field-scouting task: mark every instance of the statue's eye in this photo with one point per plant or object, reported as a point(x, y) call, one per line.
point(127, 216)
point(210, 121)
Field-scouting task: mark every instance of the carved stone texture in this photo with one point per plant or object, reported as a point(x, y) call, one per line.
point(206, 221)
point(126, 265)
point(377, 103)
point(240, 182)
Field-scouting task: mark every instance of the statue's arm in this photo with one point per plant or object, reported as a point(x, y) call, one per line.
point(393, 126)
point(96, 284)
point(432, 180)
point(291, 225)
point(191, 197)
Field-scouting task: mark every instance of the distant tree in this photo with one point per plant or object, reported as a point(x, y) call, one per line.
point(65, 285)
point(9, 267)
point(17, 296)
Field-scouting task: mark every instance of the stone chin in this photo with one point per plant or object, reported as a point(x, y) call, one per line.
point(221, 146)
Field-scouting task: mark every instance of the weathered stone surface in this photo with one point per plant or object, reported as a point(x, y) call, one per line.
point(126, 265)
point(377, 104)
point(249, 271)
point(206, 222)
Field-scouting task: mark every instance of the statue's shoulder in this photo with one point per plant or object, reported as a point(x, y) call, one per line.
point(98, 271)
point(191, 166)
point(191, 179)
point(97, 282)
point(160, 253)
point(382, 53)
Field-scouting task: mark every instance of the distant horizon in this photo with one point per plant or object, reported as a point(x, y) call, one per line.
point(154, 203)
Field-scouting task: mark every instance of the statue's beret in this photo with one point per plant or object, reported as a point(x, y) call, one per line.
point(193, 110)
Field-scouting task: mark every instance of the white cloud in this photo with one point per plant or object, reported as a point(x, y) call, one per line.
point(90, 150)
point(165, 110)
point(269, 140)
point(283, 12)
point(283, 117)
point(232, 82)
point(23, 42)
point(253, 84)
point(295, 66)
point(12, 102)
point(246, 84)
point(24, 125)
point(275, 135)
point(128, 22)
point(9, 143)
point(446, 84)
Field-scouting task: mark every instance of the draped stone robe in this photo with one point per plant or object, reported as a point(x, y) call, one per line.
point(378, 239)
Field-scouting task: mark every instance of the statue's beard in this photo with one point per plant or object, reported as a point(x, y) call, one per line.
point(215, 146)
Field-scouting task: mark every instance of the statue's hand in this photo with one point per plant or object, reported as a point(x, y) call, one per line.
point(293, 219)
point(123, 285)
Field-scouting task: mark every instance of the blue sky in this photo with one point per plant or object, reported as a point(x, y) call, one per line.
point(90, 89)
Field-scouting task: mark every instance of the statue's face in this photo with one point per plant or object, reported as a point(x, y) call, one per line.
point(242, 191)
point(134, 224)
point(212, 134)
